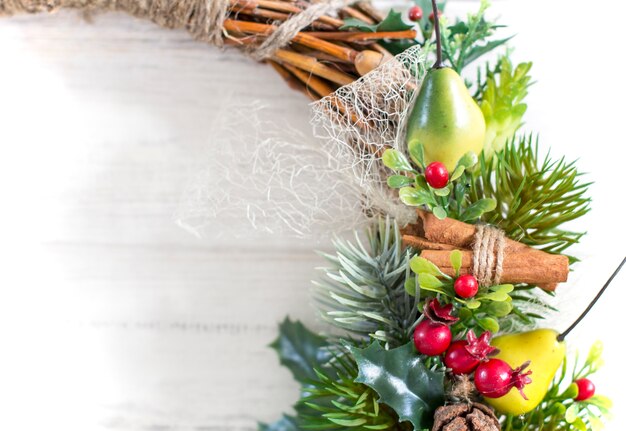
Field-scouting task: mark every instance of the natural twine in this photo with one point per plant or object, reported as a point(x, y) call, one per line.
point(290, 28)
point(204, 19)
point(489, 245)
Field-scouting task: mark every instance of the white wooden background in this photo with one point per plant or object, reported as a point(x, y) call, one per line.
point(111, 317)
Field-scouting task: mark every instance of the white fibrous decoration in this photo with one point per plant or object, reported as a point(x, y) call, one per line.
point(270, 179)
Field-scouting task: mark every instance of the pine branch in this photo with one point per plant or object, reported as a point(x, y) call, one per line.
point(363, 288)
point(535, 197)
point(336, 402)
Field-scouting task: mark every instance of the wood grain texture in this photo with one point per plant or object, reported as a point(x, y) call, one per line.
point(111, 316)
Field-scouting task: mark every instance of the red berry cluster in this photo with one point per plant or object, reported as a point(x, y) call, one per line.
point(493, 378)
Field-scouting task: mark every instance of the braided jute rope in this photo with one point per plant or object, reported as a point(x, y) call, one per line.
point(204, 19)
point(489, 245)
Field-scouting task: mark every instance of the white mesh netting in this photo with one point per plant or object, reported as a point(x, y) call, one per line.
point(263, 178)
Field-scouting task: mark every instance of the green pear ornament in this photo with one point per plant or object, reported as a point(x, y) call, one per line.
point(545, 349)
point(445, 119)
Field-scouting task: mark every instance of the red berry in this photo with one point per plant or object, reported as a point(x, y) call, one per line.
point(432, 338)
point(586, 389)
point(436, 175)
point(431, 17)
point(464, 356)
point(495, 378)
point(459, 359)
point(416, 13)
point(466, 286)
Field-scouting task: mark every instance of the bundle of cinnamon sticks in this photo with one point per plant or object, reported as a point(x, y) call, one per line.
point(437, 238)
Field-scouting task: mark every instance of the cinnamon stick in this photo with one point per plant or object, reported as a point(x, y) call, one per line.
point(347, 36)
point(518, 267)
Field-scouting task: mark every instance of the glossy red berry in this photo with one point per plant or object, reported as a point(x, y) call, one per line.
point(416, 13)
point(586, 389)
point(431, 17)
point(432, 338)
point(463, 356)
point(436, 175)
point(495, 378)
point(459, 360)
point(466, 286)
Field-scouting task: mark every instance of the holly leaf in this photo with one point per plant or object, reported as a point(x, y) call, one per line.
point(392, 22)
point(300, 350)
point(402, 381)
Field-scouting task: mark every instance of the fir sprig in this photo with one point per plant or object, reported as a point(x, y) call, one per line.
point(363, 288)
point(535, 196)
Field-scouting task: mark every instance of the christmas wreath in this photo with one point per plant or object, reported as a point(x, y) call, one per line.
point(439, 305)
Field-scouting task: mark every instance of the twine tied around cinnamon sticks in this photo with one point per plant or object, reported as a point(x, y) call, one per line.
point(487, 262)
point(486, 252)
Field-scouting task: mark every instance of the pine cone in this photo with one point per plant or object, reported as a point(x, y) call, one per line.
point(465, 417)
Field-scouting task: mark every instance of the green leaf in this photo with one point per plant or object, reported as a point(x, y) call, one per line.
point(395, 160)
point(571, 413)
point(402, 381)
point(468, 161)
point(393, 22)
point(579, 424)
point(478, 208)
point(399, 181)
point(445, 191)
point(500, 309)
point(498, 296)
point(473, 304)
point(440, 212)
point(489, 324)
point(415, 197)
point(601, 401)
point(456, 259)
point(428, 281)
point(595, 353)
point(300, 350)
point(457, 173)
point(506, 288)
point(571, 392)
point(417, 154)
point(480, 50)
point(420, 265)
point(410, 285)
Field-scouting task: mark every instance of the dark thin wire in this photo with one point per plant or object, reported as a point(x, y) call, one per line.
point(439, 63)
point(562, 336)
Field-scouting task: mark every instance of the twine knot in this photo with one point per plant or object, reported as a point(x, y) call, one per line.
point(489, 245)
